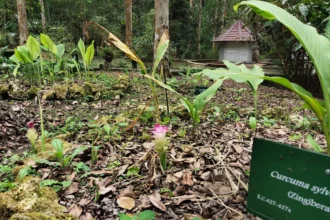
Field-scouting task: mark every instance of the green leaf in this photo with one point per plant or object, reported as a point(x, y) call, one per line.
point(82, 49)
point(45, 183)
point(313, 103)
point(124, 217)
point(317, 46)
point(23, 173)
point(48, 43)
point(314, 144)
point(16, 69)
point(66, 184)
point(60, 51)
point(201, 100)
point(23, 54)
point(161, 50)
point(89, 55)
point(147, 215)
point(33, 47)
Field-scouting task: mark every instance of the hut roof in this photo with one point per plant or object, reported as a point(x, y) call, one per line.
point(237, 32)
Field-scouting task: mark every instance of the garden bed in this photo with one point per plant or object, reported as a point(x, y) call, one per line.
point(206, 179)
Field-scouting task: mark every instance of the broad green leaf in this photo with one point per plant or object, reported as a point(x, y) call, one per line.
point(82, 49)
point(317, 46)
point(161, 50)
point(48, 43)
point(23, 54)
point(33, 47)
point(314, 144)
point(124, 217)
point(207, 95)
point(60, 51)
point(15, 59)
point(89, 54)
point(313, 103)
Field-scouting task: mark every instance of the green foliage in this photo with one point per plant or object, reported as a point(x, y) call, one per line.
point(133, 171)
point(145, 215)
point(87, 55)
point(268, 122)
point(57, 186)
point(315, 146)
point(253, 123)
point(81, 167)
point(62, 159)
point(23, 173)
point(94, 155)
point(318, 49)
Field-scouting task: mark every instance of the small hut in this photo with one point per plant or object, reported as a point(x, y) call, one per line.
point(233, 44)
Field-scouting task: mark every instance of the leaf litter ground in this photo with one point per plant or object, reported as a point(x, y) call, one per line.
point(206, 179)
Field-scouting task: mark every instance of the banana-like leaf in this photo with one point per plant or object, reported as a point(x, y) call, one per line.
point(23, 55)
point(14, 59)
point(48, 43)
point(89, 54)
point(327, 30)
point(201, 100)
point(33, 47)
point(317, 46)
point(60, 51)
point(314, 144)
point(318, 107)
point(161, 50)
point(82, 48)
point(257, 70)
point(313, 103)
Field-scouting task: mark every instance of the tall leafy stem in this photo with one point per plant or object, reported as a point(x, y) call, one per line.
point(162, 47)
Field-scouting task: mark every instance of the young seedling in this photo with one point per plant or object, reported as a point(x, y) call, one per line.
point(95, 150)
point(62, 159)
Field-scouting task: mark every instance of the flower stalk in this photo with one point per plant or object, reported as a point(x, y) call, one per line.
point(161, 143)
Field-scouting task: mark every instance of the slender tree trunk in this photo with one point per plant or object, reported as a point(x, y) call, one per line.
point(161, 26)
point(43, 17)
point(199, 28)
point(191, 3)
point(129, 26)
point(22, 21)
point(216, 22)
point(223, 16)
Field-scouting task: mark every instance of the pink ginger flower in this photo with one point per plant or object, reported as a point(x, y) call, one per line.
point(30, 124)
point(159, 131)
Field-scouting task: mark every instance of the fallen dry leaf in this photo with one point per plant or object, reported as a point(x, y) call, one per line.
point(179, 199)
point(84, 201)
point(155, 200)
point(73, 188)
point(126, 202)
point(75, 210)
point(86, 216)
point(187, 179)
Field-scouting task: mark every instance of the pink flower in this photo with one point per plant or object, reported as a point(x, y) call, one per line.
point(30, 124)
point(159, 131)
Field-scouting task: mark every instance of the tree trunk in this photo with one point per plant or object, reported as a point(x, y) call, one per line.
point(223, 16)
point(129, 26)
point(199, 28)
point(22, 21)
point(161, 26)
point(216, 23)
point(43, 17)
point(191, 3)
point(128, 21)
